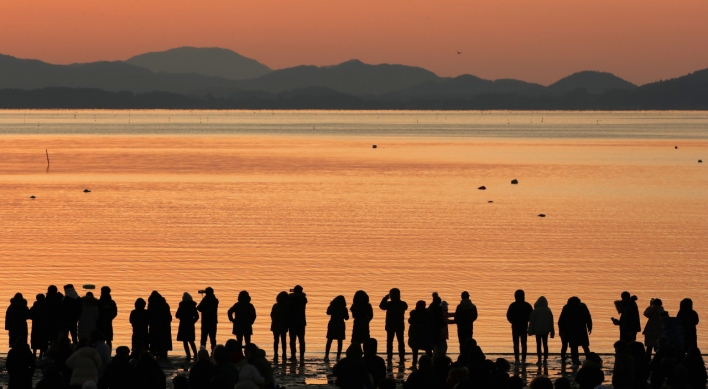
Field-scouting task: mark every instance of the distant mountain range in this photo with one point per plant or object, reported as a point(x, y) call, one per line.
point(190, 77)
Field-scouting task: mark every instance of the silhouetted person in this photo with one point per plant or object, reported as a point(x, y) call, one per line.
point(148, 373)
point(209, 307)
point(20, 365)
point(188, 316)
point(663, 363)
point(624, 371)
point(337, 327)
point(654, 327)
point(160, 317)
point(374, 363)
point(297, 321)
point(140, 321)
point(629, 318)
point(673, 330)
point(541, 325)
point(351, 371)
point(16, 320)
point(518, 315)
point(395, 325)
point(119, 374)
point(641, 364)
point(242, 315)
point(223, 365)
point(465, 316)
point(107, 311)
point(499, 377)
point(689, 321)
point(444, 329)
point(693, 362)
point(423, 377)
point(71, 306)
point(53, 301)
point(84, 364)
point(88, 320)
point(436, 319)
point(256, 357)
point(575, 325)
point(39, 314)
point(202, 372)
point(590, 375)
point(362, 313)
point(279, 323)
point(420, 331)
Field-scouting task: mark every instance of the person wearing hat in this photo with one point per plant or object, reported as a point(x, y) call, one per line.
point(209, 307)
point(297, 321)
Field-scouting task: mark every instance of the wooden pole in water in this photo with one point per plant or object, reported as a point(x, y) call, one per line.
point(47, 152)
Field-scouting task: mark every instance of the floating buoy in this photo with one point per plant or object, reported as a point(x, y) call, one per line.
point(89, 286)
point(541, 215)
point(482, 187)
point(87, 191)
point(514, 181)
point(374, 146)
point(32, 197)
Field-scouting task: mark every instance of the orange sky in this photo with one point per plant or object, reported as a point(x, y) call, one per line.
point(533, 40)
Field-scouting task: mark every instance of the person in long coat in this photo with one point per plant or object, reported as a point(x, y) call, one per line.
point(689, 321)
point(541, 325)
point(629, 318)
point(575, 325)
point(654, 327)
point(20, 365)
point(362, 313)
point(53, 300)
point(39, 314)
point(337, 326)
point(88, 321)
point(71, 306)
point(140, 322)
point(242, 315)
point(188, 315)
point(279, 323)
point(16, 320)
point(159, 317)
point(107, 311)
point(420, 331)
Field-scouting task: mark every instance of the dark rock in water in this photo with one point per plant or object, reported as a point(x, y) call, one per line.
point(700, 161)
point(87, 191)
point(32, 197)
point(514, 181)
point(490, 201)
point(541, 215)
point(89, 286)
point(374, 146)
point(676, 147)
point(482, 187)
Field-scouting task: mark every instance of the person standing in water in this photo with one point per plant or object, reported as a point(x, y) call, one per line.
point(279, 323)
point(71, 307)
point(575, 326)
point(140, 322)
point(297, 321)
point(337, 326)
point(363, 313)
point(465, 316)
point(519, 314)
point(209, 307)
point(242, 315)
point(689, 321)
point(188, 316)
point(107, 311)
point(629, 318)
point(395, 322)
point(541, 325)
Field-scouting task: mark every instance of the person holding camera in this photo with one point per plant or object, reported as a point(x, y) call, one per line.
point(297, 321)
point(395, 325)
point(209, 307)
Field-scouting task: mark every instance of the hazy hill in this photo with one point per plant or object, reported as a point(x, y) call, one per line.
point(208, 61)
point(352, 77)
point(593, 82)
point(110, 76)
point(466, 86)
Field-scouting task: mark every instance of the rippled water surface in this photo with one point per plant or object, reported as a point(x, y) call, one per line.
point(265, 200)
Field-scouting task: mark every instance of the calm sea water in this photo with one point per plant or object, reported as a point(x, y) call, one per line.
point(262, 201)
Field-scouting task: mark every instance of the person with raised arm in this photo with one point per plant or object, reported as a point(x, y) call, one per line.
point(395, 322)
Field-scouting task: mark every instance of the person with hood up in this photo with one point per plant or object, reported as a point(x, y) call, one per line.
point(84, 363)
point(88, 320)
point(107, 311)
point(689, 321)
point(71, 306)
point(53, 301)
point(20, 365)
point(297, 321)
point(654, 328)
point(279, 323)
point(351, 371)
point(337, 326)
point(39, 314)
point(541, 324)
point(188, 315)
point(209, 307)
point(420, 331)
point(242, 315)
point(395, 326)
point(362, 313)
point(629, 317)
point(575, 326)
point(140, 322)
point(465, 316)
point(519, 314)
point(159, 317)
point(16, 320)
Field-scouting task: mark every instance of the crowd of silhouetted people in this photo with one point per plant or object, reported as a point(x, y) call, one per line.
point(71, 340)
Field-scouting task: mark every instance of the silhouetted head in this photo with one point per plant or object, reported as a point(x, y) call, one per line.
point(420, 305)
point(519, 295)
point(465, 295)
point(541, 382)
point(187, 297)
point(209, 291)
point(541, 303)
point(180, 382)
point(636, 349)
point(371, 346)
point(502, 365)
point(361, 297)
point(140, 304)
point(339, 301)
point(244, 297)
point(105, 291)
point(203, 355)
point(17, 297)
point(395, 294)
point(436, 299)
point(233, 346)
point(562, 383)
point(575, 300)
point(249, 349)
point(444, 305)
point(620, 346)
point(354, 351)
point(297, 289)
point(625, 295)
point(657, 302)
point(154, 297)
point(686, 304)
point(425, 363)
point(52, 289)
point(68, 286)
point(123, 351)
point(39, 297)
point(469, 344)
point(220, 354)
point(593, 359)
point(89, 296)
point(282, 298)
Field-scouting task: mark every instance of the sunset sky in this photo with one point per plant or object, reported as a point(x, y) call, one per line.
point(532, 40)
